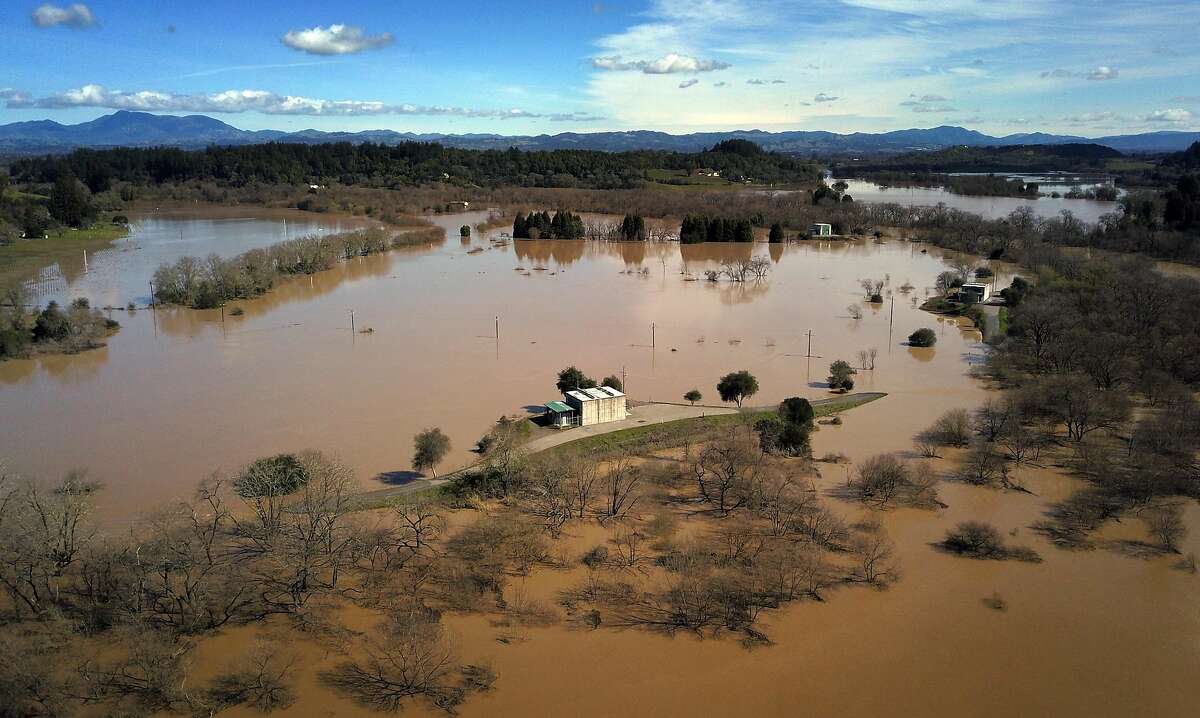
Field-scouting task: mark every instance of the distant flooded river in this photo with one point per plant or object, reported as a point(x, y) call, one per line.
point(1087, 210)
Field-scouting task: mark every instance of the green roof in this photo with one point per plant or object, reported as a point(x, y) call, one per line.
point(557, 406)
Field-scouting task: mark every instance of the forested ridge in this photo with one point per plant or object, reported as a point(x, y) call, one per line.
point(405, 164)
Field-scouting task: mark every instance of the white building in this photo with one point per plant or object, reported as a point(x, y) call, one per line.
point(821, 229)
point(975, 293)
point(596, 406)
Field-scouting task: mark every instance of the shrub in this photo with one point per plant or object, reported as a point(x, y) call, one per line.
point(841, 376)
point(976, 539)
point(924, 337)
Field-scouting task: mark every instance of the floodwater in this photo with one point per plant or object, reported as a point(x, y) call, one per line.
point(176, 394)
point(1086, 210)
point(120, 274)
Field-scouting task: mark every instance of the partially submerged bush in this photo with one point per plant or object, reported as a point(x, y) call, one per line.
point(885, 480)
point(975, 539)
point(924, 337)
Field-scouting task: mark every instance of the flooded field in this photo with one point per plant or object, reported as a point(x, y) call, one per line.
point(1087, 210)
point(120, 274)
point(177, 393)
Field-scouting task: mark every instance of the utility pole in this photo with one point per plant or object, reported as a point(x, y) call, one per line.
point(624, 386)
point(351, 321)
point(85, 267)
point(892, 315)
point(652, 330)
point(809, 354)
point(497, 327)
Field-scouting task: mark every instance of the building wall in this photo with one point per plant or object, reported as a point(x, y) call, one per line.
point(599, 411)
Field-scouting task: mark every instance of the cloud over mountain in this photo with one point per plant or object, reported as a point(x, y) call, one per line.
point(270, 103)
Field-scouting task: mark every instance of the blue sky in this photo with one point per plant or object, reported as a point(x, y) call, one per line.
point(1000, 66)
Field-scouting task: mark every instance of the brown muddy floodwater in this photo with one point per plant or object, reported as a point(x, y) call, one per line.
point(178, 394)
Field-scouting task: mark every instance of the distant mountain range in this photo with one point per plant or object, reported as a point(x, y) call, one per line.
point(140, 129)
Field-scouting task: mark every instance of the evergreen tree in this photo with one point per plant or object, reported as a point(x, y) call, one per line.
point(68, 202)
point(776, 235)
point(743, 231)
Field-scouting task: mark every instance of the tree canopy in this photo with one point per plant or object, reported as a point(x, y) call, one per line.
point(429, 448)
point(572, 378)
point(737, 386)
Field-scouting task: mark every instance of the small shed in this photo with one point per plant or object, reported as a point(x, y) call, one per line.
point(561, 415)
point(598, 405)
point(820, 229)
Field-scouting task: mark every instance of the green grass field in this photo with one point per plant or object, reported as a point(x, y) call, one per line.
point(22, 259)
point(654, 437)
point(639, 439)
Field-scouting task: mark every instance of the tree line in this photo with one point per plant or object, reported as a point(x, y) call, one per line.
point(405, 163)
point(704, 228)
point(540, 225)
point(212, 281)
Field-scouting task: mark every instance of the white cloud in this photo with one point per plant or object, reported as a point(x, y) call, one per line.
point(1172, 116)
point(238, 101)
point(1186, 98)
point(77, 15)
point(1090, 117)
point(668, 64)
point(928, 103)
point(983, 9)
point(1102, 72)
point(335, 40)
point(688, 83)
point(14, 98)
point(822, 97)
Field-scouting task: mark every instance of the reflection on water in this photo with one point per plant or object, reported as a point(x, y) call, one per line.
point(1087, 210)
point(120, 274)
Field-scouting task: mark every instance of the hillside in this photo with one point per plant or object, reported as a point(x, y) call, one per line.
point(140, 129)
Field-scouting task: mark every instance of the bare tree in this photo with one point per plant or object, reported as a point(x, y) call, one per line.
point(884, 480)
point(43, 534)
point(854, 311)
point(413, 657)
point(726, 472)
point(263, 680)
point(875, 556)
point(581, 485)
point(620, 488)
point(783, 502)
point(1166, 526)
